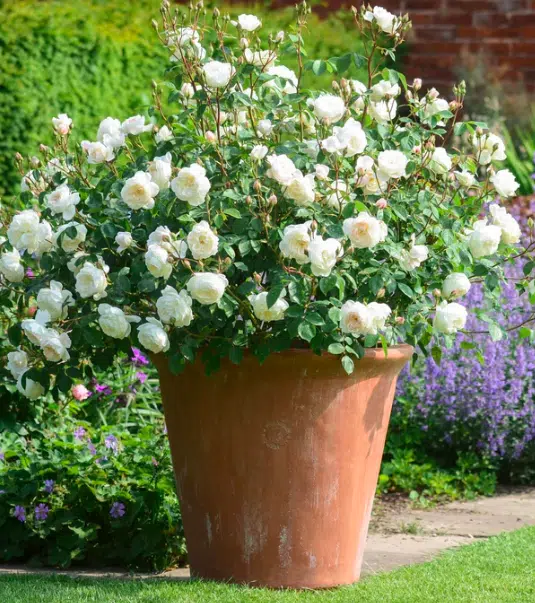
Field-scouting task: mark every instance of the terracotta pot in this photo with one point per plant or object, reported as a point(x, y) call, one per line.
point(277, 464)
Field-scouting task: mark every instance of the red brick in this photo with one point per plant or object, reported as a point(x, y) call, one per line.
point(522, 48)
point(437, 32)
point(480, 33)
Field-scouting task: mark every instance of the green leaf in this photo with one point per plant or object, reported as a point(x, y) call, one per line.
point(274, 293)
point(336, 348)
point(436, 353)
point(306, 331)
point(348, 364)
point(315, 318)
point(405, 289)
point(233, 212)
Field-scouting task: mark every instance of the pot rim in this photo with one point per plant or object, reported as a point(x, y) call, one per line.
point(401, 350)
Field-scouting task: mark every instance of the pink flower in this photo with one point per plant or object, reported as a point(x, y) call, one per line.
point(381, 203)
point(80, 392)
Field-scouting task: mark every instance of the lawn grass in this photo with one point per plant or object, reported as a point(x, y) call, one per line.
point(499, 570)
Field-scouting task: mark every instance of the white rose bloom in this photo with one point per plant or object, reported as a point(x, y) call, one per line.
point(114, 322)
point(249, 22)
point(30, 183)
point(152, 336)
point(17, 363)
point(74, 264)
point(440, 161)
point(385, 20)
point(97, 152)
point(157, 262)
point(379, 315)
point(139, 191)
point(191, 184)
point(55, 346)
point(264, 127)
point(322, 171)
point(261, 58)
point(218, 74)
point(262, 312)
point(434, 106)
point(62, 124)
point(510, 228)
point(32, 390)
point(281, 169)
point(11, 267)
point(360, 89)
point(484, 239)
point(91, 282)
point(323, 255)
point(301, 189)
point(449, 317)
point(332, 145)
point(329, 108)
point(384, 89)
point(124, 240)
point(339, 197)
point(163, 135)
point(455, 284)
point(67, 243)
point(26, 233)
point(174, 307)
point(135, 125)
point(110, 133)
point(160, 170)
point(414, 257)
point(207, 287)
point(55, 300)
point(465, 178)
point(35, 328)
point(392, 164)
point(63, 201)
point(295, 242)
point(311, 149)
point(259, 152)
point(163, 237)
point(488, 148)
point(290, 87)
point(383, 111)
point(365, 231)
point(505, 183)
point(368, 178)
point(355, 318)
point(352, 137)
point(202, 241)
point(187, 90)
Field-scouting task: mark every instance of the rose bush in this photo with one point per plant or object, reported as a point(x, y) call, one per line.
point(256, 215)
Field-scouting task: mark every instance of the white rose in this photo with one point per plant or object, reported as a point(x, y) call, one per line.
point(91, 282)
point(355, 318)
point(17, 363)
point(202, 241)
point(484, 239)
point(187, 90)
point(511, 232)
point(55, 345)
point(435, 106)
point(30, 183)
point(175, 308)
point(281, 169)
point(301, 189)
point(26, 233)
point(383, 111)
point(70, 244)
point(440, 161)
point(329, 108)
point(392, 164)
point(139, 191)
point(160, 170)
point(32, 389)
point(110, 133)
point(465, 178)
point(339, 197)
point(371, 181)
point(488, 148)
point(359, 89)
point(75, 264)
point(157, 262)
point(55, 300)
point(218, 74)
point(207, 287)
point(505, 183)
point(62, 124)
point(322, 171)
point(264, 127)
point(261, 58)
point(259, 152)
point(11, 267)
point(124, 240)
point(262, 312)
point(191, 184)
point(163, 237)
point(290, 87)
point(163, 134)
point(295, 242)
point(323, 255)
point(311, 149)
point(114, 322)
point(412, 259)
point(455, 284)
point(135, 125)
point(97, 152)
point(384, 89)
point(63, 201)
point(365, 231)
point(152, 336)
point(249, 22)
point(35, 328)
point(449, 317)
point(352, 137)
point(385, 20)
point(379, 315)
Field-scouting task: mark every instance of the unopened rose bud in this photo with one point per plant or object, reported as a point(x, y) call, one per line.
point(155, 24)
point(417, 84)
point(18, 156)
point(187, 264)
point(43, 148)
point(257, 278)
point(210, 136)
point(479, 131)
point(530, 223)
point(216, 13)
point(280, 37)
point(32, 310)
point(433, 94)
point(454, 105)
point(451, 177)
point(244, 43)
point(257, 186)
point(381, 293)
point(248, 200)
point(381, 203)
point(400, 320)
point(335, 85)
point(430, 145)
point(272, 199)
point(408, 95)
point(187, 90)
point(417, 149)
point(200, 4)
point(437, 292)
point(35, 161)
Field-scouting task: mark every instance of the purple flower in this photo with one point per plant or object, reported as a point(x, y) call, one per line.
point(2, 456)
point(117, 510)
point(30, 273)
point(92, 448)
point(154, 462)
point(49, 486)
point(105, 390)
point(20, 513)
point(79, 433)
point(141, 376)
point(111, 442)
point(41, 512)
point(138, 359)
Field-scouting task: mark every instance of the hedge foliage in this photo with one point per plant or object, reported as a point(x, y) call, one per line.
point(94, 58)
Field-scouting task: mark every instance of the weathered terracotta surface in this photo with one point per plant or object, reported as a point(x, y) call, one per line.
point(277, 465)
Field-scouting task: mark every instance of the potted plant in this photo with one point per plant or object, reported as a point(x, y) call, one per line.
point(280, 252)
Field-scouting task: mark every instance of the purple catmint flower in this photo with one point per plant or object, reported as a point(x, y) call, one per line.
point(2, 456)
point(138, 358)
point(41, 512)
point(105, 390)
point(79, 433)
point(117, 510)
point(30, 273)
point(20, 513)
point(92, 448)
point(49, 486)
point(111, 442)
point(141, 377)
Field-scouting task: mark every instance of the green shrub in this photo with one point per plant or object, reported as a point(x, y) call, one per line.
point(90, 58)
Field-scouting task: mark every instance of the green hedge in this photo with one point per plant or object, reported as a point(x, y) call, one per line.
point(94, 58)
